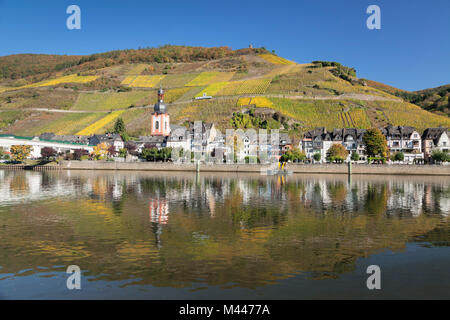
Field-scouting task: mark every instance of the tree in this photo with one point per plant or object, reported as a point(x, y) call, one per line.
point(399, 156)
point(165, 154)
point(355, 156)
point(131, 147)
point(112, 151)
point(123, 153)
point(150, 154)
point(100, 151)
point(440, 156)
point(293, 155)
point(20, 152)
point(375, 142)
point(317, 156)
point(337, 153)
point(119, 126)
point(48, 152)
point(79, 153)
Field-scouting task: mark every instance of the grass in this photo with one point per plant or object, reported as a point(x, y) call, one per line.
point(113, 101)
point(98, 125)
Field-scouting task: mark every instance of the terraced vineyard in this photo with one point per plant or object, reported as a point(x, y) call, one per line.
point(69, 123)
point(207, 78)
point(53, 82)
point(112, 101)
point(310, 95)
point(275, 59)
point(146, 81)
point(406, 114)
point(97, 126)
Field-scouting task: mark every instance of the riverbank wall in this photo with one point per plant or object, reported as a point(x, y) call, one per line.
point(386, 169)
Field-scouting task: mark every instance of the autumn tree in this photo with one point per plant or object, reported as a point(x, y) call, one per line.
point(100, 151)
point(112, 151)
point(375, 143)
point(48, 152)
point(20, 152)
point(337, 153)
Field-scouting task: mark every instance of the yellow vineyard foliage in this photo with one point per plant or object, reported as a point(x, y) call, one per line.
point(258, 86)
point(96, 126)
point(128, 80)
point(213, 89)
point(146, 81)
point(275, 59)
point(206, 78)
point(259, 102)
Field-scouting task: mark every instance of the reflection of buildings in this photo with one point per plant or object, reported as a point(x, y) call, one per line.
point(159, 211)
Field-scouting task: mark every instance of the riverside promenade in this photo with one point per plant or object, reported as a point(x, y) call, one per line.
point(373, 169)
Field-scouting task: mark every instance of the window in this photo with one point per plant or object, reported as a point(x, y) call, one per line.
point(157, 125)
point(165, 125)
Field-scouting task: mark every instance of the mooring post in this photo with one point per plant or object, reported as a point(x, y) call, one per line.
point(198, 166)
point(350, 172)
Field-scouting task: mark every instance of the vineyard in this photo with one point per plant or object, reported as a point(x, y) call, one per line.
point(213, 89)
point(207, 78)
point(178, 80)
point(100, 124)
point(406, 114)
point(146, 81)
point(137, 69)
point(53, 82)
point(275, 59)
point(69, 123)
point(112, 101)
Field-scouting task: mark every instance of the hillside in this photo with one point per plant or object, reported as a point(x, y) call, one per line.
point(435, 99)
point(250, 88)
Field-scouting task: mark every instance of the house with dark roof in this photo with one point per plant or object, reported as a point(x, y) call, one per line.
point(435, 139)
point(403, 139)
point(110, 139)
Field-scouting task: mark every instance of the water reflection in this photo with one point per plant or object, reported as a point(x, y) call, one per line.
point(172, 229)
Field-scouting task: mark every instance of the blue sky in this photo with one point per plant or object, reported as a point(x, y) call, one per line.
point(411, 51)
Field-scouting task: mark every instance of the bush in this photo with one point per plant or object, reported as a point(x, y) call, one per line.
point(440, 156)
point(355, 156)
point(399, 156)
point(317, 156)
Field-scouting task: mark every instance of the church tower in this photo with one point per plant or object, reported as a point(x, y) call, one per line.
point(160, 117)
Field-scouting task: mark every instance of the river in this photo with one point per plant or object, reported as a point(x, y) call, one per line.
point(163, 235)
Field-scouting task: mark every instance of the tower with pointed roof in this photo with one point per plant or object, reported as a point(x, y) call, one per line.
point(160, 125)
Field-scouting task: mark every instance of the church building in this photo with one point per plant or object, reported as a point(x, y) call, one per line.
point(160, 117)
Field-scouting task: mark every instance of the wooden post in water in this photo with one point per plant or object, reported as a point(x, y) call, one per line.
point(349, 171)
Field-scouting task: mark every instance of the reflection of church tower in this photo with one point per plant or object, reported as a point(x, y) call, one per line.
point(160, 118)
point(159, 211)
point(159, 215)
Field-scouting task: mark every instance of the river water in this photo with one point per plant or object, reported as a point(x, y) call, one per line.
point(161, 235)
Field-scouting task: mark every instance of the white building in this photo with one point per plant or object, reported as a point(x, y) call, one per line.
point(6, 141)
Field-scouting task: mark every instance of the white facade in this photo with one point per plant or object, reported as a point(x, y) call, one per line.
point(36, 145)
